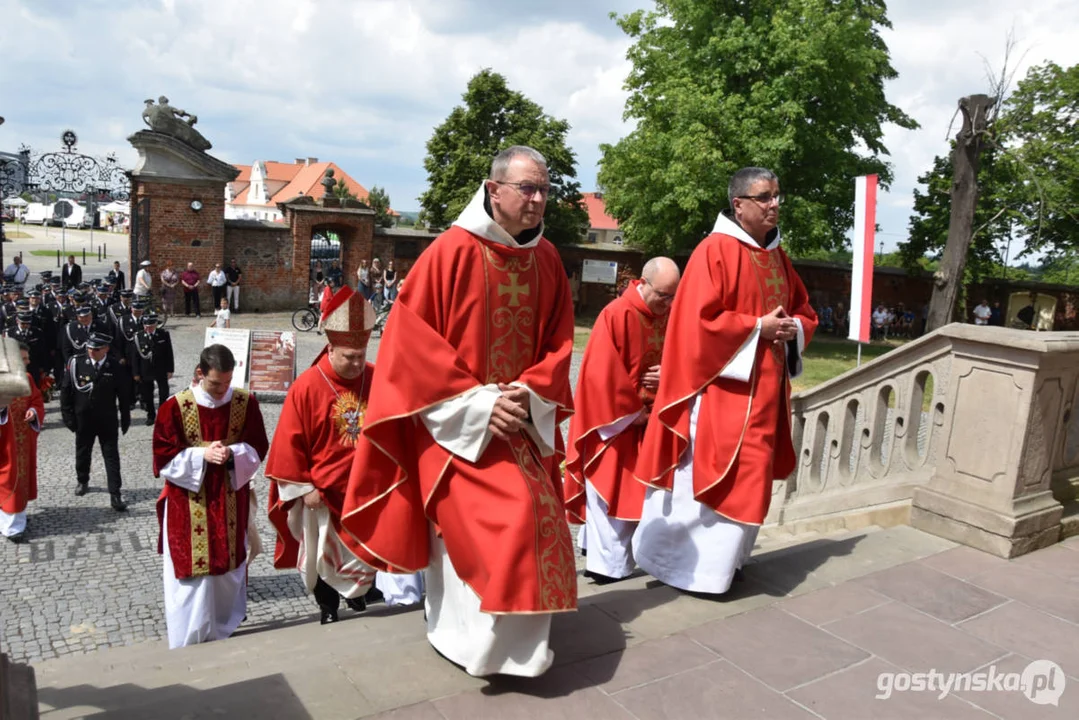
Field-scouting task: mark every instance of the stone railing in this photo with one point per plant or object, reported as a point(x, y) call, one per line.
point(967, 432)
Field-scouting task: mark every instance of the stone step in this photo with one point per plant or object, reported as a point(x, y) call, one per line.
point(380, 660)
point(1069, 521)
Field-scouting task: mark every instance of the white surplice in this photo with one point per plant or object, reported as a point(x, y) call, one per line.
point(322, 554)
point(679, 541)
point(482, 643)
point(211, 607)
point(607, 540)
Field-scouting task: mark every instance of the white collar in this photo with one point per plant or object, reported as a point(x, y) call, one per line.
point(205, 399)
point(727, 226)
point(474, 218)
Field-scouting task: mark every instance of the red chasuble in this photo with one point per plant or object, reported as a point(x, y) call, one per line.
point(313, 444)
point(743, 438)
point(473, 312)
point(18, 452)
point(626, 340)
point(207, 529)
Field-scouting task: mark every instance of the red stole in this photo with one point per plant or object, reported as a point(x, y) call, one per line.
point(313, 444)
point(18, 452)
point(473, 312)
point(207, 529)
point(743, 438)
point(626, 340)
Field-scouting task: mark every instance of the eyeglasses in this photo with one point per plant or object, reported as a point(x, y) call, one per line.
point(764, 198)
point(666, 297)
point(527, 190)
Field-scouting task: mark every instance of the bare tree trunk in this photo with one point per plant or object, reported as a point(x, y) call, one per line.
point(968, 146)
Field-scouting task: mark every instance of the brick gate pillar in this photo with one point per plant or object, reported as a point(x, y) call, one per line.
point(177, 205)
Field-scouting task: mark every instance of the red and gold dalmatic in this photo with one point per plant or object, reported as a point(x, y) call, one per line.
point(626, 340)
point(18, 452)
point(473, 312)
point(743, 438)
point(207, 529)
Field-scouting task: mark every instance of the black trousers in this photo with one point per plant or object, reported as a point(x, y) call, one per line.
point(326, 597)
point(88, 429)
point(146, 392)
point(191, 298)
point(218, 292)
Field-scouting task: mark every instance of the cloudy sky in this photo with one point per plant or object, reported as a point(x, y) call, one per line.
point(363, 82)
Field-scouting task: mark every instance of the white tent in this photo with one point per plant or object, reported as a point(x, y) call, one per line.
point(15, 202)
point(116, 206)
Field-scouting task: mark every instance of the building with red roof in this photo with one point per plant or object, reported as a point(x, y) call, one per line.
point(602, 228)
point(261, 186)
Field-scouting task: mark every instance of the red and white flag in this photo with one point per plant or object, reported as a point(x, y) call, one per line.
point(861, 281)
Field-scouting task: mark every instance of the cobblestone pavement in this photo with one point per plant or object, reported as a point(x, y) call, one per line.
point(91, 577)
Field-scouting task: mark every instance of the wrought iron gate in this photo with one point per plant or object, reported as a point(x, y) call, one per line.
point(140, 233)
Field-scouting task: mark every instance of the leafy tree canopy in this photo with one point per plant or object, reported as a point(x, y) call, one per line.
point(796, 86)
point(379, 201)
point(1028, 183)
point(492, 118)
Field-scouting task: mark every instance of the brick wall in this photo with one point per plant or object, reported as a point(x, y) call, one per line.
point(264, 253)
point(179, 233)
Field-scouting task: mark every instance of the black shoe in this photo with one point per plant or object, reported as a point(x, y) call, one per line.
point(149, 421)
point(328, 616)
point(357, 604)
point(601, 579)
point(739, 576)
point(82, 488)
point(374, 595)
point(17, 538)
point(117, 504)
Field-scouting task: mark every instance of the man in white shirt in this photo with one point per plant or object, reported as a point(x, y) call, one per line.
point(217, 281)
point(143, 280)
point(17, 272)
point(982, 313)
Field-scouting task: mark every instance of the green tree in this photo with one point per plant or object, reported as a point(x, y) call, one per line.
point(341, 191)
point(492, 118)
point(793, 85)
point(379, 201)
point(1040, 128)
point(994, 218)
point(1028, 183)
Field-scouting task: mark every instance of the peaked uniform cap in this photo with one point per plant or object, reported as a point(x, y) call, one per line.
point(349, 319)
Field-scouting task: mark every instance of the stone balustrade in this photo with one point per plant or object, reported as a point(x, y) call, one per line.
point(967, 432)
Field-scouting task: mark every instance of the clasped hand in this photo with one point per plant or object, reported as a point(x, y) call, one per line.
point(217, 453)
point(510, 412)
point(778, 326)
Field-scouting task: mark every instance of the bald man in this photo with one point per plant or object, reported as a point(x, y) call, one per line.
point(616, 387)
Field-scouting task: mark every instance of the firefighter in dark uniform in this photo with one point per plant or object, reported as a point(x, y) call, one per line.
point(44, 323)
point(96, 386)
point(26, 333)
point(75, 334)
point(9, 309)
point(151, 362)
point(129, 325)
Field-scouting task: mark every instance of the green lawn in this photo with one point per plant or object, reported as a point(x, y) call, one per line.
point(43, 253)
point(826, 357)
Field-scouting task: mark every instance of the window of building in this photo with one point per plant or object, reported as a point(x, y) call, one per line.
point(617, 240)
point(592, 237)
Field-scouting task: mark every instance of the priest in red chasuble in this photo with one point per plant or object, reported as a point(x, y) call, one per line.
point(457, 469)
point(616, 389)
point(720, 431)
point(20, 423)
point(209, 441)
point(310, 459)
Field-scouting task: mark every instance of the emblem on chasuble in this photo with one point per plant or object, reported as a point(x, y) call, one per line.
point(511, 322)
point(347, 414)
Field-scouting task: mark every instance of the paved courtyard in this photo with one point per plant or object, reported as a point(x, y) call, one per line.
point(91, 577)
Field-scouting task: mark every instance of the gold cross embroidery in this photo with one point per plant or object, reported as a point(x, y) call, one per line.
point(774, 283)
point(514, 290)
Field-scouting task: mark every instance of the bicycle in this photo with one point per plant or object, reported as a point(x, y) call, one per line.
point(382, 313)
point(162, 313)
point(306, 318)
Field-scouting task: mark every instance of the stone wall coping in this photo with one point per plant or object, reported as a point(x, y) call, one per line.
point(301, 208)
point(213, 168)
point(252, 224)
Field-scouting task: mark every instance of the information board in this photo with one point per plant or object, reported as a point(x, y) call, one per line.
point(600, 271)
point(273, 360)
point(236, 340)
